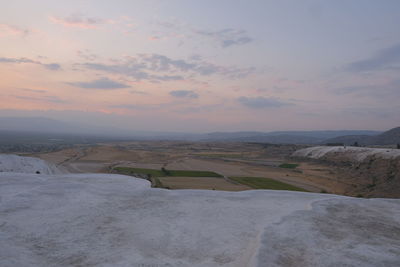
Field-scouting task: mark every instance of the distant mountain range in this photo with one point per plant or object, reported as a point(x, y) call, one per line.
point(282, 137)
point(48, 127)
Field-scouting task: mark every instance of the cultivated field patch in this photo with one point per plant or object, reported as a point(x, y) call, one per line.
point(164, 172)
point(289, 165)
point(266, 183)
point(209, 183)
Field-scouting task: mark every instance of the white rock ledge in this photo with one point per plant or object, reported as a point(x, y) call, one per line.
point(17, 164)
point(114, 220)
point(353, 153)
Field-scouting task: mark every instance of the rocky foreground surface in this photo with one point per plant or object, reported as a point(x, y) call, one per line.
point(114, 220)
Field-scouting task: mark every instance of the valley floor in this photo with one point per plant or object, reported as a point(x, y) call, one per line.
point(229, 160)
point(226, 159)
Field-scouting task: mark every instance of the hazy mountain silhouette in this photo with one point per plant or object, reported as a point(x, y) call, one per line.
point(386, 138)
point(51, 126)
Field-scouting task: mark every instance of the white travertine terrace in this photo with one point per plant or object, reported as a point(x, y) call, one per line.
point(115, 220)
point(17, 164)
point(354, 153)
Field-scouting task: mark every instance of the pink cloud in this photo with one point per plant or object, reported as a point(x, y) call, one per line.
point(7, 30)
point(154, 38)
point(79, 21)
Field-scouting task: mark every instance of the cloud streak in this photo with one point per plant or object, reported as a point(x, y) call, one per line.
point(50, 66)
point(78, 21)
point(87, 55)
point(388, 58)
point(158, 68)
point(49, 99)
point(101, 84)
point(261, 102)
point(137, 92)
point(388, 90)
point(227, 37)
point(10, 30)
point(184, 94)
point(17, 60)
point(38, 91)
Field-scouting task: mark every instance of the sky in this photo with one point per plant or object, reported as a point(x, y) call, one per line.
point(202, 66)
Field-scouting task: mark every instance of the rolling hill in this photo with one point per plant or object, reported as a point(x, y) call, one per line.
point(390, 137)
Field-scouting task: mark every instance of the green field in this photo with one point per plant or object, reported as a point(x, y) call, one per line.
point(266, 183)
point(165, 172)
point(289, 165)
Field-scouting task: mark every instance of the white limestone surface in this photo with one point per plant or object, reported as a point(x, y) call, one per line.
point(17, 164)
point(354, 153)
point(115, 220)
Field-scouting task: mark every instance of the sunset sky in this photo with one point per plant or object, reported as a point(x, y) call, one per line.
point(198, 66)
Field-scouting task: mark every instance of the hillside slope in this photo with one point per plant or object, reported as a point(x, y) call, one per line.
point(373, 172)
point(387, 138)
